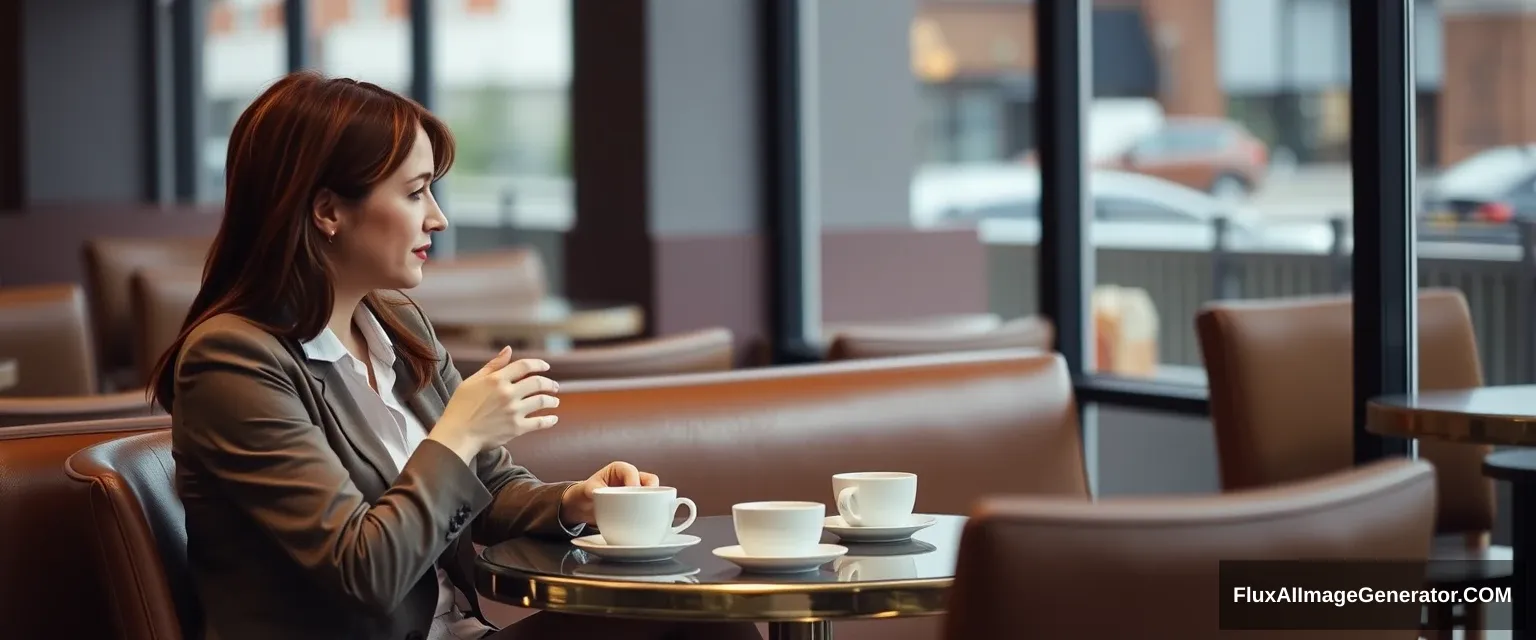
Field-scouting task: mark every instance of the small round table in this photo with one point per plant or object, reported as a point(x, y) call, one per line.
point(910, 578)
point(1489, 415)
point(549, 320)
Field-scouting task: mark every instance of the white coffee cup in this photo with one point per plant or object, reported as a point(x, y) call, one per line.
point(639, 516)
point(875, 498)
point(779, 529)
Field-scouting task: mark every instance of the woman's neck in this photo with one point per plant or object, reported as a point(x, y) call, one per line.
point(342, 310)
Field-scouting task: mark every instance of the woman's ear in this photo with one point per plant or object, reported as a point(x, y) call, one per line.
point(326, 213)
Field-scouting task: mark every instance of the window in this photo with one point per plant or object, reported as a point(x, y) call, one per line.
point(503, 73)
point(1177, 147)
point(1477, 174)
point(243, 52)
point(367, 40)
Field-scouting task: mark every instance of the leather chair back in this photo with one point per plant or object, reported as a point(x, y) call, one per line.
point(161, 299)
point(513, 276)
point(56, 409)
point(968, 424)
point(141, 534)
point(45, 329)
point(854, 343)
point(49, 576)
point(1281, 374)
point(1148, 567)
point(703, 351)
point(109, 267)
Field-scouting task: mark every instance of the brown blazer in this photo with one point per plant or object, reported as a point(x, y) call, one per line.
point(294, 529)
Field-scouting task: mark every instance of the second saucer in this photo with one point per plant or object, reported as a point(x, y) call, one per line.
point(597, 546)
point(900, 533)
point(823, 554)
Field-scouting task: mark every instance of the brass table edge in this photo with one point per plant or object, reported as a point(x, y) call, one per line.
point(1450, 426)
point(720, 602)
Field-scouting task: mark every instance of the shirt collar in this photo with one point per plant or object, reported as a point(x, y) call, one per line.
point(326, 347)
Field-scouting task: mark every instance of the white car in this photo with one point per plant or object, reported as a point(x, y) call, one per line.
point(1131, 211)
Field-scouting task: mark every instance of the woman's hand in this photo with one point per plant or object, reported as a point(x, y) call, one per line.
point(576, 503)
point(492, 406)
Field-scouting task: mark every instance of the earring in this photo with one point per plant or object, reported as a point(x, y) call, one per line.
point(330, 238)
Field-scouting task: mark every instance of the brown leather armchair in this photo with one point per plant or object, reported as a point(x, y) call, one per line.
point(700, 351)
point(49, 586)
point(160, 299)
point(1148, 568)
point(45, 329)
point(1280, 376)
point(854, 343)
point(140, 534)
point(109, 267)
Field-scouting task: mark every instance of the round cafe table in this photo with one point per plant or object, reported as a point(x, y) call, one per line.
point(911, 578)
point(1503, 415)
point(550, 320)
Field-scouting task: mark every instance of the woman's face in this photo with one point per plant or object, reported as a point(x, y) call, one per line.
point(381, 242)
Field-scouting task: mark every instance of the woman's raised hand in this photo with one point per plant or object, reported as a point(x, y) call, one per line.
point(491, 407)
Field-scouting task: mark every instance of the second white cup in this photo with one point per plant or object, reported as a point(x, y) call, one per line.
point(875, 498)
point(639, 516)
point(778, 529)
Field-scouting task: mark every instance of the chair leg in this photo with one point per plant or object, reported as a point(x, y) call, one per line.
point(1441, 623)
point(1474, 621)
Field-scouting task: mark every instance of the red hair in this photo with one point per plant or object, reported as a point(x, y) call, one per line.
point(304, 134)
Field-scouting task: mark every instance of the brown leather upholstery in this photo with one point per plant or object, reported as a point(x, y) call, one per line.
point(1281, 374)
point(854, 343)
point(969, 424)
point(160, 299)
point(55, 409)
point(109, 267)
point(701, 351)
point(1148, 568)
point(49, 586)
point(141, 534)
point(46, 330)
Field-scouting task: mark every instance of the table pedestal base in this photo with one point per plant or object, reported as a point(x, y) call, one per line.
point(1518, 468)
point(800, 630)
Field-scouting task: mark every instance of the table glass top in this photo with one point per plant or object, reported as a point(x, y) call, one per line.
point(1516, 401)
point(929, 555)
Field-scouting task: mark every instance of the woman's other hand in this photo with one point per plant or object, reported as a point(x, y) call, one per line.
point(576, 503)
point(491, 407)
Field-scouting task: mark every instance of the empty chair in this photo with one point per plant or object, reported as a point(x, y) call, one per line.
point(700, 351)
point(853, 343)
point(109, 267)
point(141, 535)
point(160, 301)
point(45, 329)
point(56, 409)
point(507, 277)
point(1281, 377)
point(1147, 568)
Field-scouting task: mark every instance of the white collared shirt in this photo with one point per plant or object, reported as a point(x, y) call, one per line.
point(400, 438)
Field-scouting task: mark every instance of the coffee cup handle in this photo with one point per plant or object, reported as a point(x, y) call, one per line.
point(693, 513)
point(848, 504)
point(848, 573)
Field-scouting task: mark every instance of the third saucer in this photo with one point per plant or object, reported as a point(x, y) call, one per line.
point(823, 554)
point(840, 528)
point(597, 546)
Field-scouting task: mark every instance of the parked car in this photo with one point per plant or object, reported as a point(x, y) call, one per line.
point(1217, 156)
point(1130, 210)
point(1480, 198)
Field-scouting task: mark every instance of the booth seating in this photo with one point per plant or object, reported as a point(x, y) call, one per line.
point(699, 351)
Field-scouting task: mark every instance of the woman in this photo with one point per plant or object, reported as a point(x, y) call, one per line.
point(328, 454)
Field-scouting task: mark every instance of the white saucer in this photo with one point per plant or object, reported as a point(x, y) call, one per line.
point(841, 529)
point(597, 546)
point(777, 564)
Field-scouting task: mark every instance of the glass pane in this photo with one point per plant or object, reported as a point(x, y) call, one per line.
point(367, 40)
point(243, 52)
point(503, 69)
point(1477, 175)
point(924, 120)
point(1218, 145)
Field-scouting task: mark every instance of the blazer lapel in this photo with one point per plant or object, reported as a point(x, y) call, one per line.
point(351, 419)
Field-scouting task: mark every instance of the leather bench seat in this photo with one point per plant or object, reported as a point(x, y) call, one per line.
point(970, 425)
